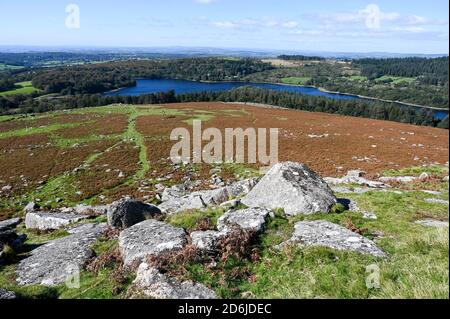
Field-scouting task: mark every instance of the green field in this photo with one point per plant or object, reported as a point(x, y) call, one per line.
point(4, 67)
point(24, 88)
point(296, 80)
point(395, 79)
point(357, 78)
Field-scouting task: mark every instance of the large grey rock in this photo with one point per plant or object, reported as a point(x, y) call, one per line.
point(10, 223)
point(51, 221)
point(57, 260)
point(432, 223)
point(324, 233)
point(126, 213)
point(151, 283)
point(150, 238)
point(6, 294)
point(176, 199)
point(206, 241)
point(251, 219)
point(293, 187)
point(85, 227)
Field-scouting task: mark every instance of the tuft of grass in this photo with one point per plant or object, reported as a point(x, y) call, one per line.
point(416, 171)
point(189, 220)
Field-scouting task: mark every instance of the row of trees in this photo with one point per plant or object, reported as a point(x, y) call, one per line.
point(300, 58)
point(98, 78)
point(367, 109)
point(431, 71)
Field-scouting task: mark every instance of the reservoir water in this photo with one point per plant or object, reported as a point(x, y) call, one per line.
point(144, 86)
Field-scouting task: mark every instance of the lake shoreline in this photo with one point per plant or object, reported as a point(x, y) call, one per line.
point(321, 89)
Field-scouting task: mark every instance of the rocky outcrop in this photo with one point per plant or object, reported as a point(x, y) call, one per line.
point(150, 238)
point(151, 283)
point(252, 220)
point(206, 241)
point(324, 233)
point(176, 198)
point(51, 220)
point(57, 260)
point(126, 213)
point(293, 187)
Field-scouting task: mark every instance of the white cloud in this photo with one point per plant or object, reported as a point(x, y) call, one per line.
point(225, 24)
point(290, 24)
point(257, 23)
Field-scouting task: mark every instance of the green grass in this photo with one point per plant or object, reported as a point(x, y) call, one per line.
point(417, 266)
point(416, 171)
point(357, 78)
point(395, 79)
point(37, 130)
point(24, 88)
point(189, 219)
point(296, 80)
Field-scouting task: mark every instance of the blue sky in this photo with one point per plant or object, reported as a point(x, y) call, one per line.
point(404, 26)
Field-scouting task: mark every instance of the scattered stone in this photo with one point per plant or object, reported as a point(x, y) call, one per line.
point(151, 283)
point(126, 213)
point(31, 207)
point(58, 260)
point(176, 199)
point(324, 233)
point(424, 176)
point(347, 190)
point(432, 223)
point(148, 238)
point(445, 179)
point(354, 177)
point(88, 209)
point(252, 220)
point(6, 294)
point(293, 187)
point(10, 223)
point(431, 192)
point(7, 188)
point(356, 173)
point(51, 221)
point(399, 179)
point(436, 201)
